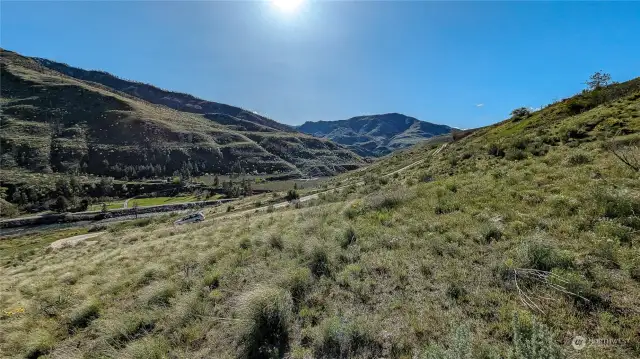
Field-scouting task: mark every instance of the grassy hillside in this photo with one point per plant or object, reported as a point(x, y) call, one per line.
point(376, 135)
point(55, 123)
point(511, 241)
point(179, 101)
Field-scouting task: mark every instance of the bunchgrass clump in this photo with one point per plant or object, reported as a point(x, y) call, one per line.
point(265, 325)
point(319, 263)
point(348, 237)
point(275, 241)
point(578, 159)
point(83, 315)
point(340, 338)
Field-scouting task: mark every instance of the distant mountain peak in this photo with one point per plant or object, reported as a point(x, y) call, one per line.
point(376, 135)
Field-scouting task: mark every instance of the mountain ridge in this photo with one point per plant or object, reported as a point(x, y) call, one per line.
point(376, 135)
point(177, 100)
point(53, 122)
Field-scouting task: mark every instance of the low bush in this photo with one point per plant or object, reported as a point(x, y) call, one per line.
point(542, 256)
point(159, 294)
point(578, 159)
point(634, 272)
point(456, 291)
point(495, 150)
point(319, 261)
point(490, 233)
point(147, 348)
point(460, 346)
point(446, 205)
point(348, 237)
point(426, 177)
point(211, 280)
point(292, 195)
point(276, 242)
point(617, 205)
point(533, 340)
point(265, 324)
point(387, 200)
point(298, 281)
point(342, 339)
point(515, 154)
point(39, 343)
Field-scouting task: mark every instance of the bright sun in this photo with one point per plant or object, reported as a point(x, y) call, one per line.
point(287, 5)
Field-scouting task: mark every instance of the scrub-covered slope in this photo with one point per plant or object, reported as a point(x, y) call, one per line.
point(53, 122)
point(507, 243)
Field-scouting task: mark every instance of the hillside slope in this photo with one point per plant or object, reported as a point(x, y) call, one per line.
point(507, 243)
point(176, 100)
point(53, 122)
point(376, 135)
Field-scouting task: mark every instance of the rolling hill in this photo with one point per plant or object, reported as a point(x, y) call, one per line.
point(507, 243)
point(56, 118)
point(376, 135)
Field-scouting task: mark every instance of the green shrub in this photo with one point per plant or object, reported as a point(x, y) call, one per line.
point(533, 340)
point(211, 280)
point(348, 237)
point(426, 177)
point(387, 200)
point(275, 241)
point(298, 282)
point(495, 150)
point(446, 205)
point(612, 230)
point(456, 291)
point(39, 343)
point(542, 256)
point(460, 346)
point(352, 211)
point(292, 195)
point(490, 233)
point(578, 285)
point(342, 339)
point(159, 294)
point(515, 154)
point(265, 324)
point(245, 243)
point(452, 187)
point(634, 272)
point(617, 205)
point(129, 327)
point(578, 159)
point(575, 133)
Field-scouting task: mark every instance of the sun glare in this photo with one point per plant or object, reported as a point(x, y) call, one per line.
point(287, 5)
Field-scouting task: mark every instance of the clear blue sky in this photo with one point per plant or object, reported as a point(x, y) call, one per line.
point(436, 61)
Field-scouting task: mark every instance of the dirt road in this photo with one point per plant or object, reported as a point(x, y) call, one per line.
point(72, 241)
